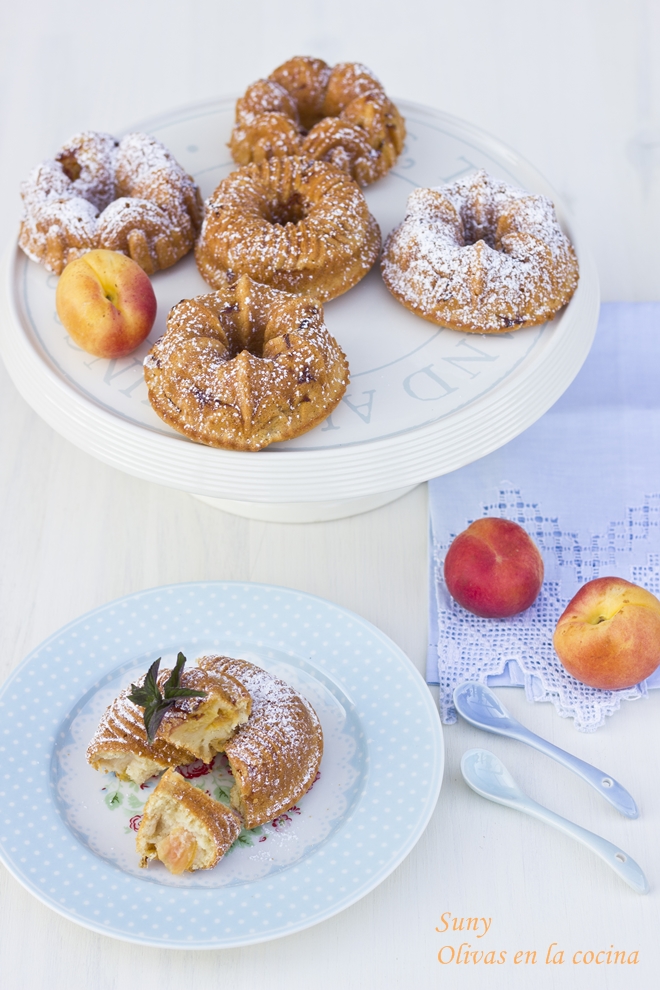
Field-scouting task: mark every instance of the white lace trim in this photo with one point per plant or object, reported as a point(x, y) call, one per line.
point(472, 648)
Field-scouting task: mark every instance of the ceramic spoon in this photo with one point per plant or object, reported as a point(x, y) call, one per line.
point(488, 776)
point(481, 707)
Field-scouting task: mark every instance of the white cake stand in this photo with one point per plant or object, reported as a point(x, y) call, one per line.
point(422, 400)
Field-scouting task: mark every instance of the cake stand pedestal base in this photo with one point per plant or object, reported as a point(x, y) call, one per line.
point(304, 512)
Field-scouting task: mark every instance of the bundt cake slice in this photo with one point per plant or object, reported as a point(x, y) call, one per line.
point(190, 728)
point(183, 827)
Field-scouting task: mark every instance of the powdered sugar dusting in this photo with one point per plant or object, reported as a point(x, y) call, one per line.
point(299, 225)
point(121, 720)
point(246, 366)
point(480, 255)
point(276, 754)
point(128, 196)
point(340, 115)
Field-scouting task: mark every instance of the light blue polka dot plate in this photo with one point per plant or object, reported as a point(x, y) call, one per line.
point(67, 833)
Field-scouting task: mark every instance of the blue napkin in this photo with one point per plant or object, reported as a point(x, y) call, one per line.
point(585, 483)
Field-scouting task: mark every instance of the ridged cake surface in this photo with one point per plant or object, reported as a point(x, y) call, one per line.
point(245, 366)
point(481, 256)
point(292, 223)
point(129, 196)
point(339, 115)
point(193, 728)
point(183, 827)
point(276, 755)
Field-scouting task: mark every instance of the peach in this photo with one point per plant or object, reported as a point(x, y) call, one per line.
point(609, 634)
point(106, 303)
point(494, 569)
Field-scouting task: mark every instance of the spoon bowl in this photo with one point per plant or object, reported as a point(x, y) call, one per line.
point(481, 707)
point(487, 776)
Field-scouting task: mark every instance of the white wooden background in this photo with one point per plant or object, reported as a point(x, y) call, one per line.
point(574, 87)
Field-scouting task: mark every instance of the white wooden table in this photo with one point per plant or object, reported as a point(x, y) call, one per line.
point(75, 534)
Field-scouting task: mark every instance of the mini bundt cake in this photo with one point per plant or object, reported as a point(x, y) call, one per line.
point(193, 728)
point(292, 223)
point(339, 115)
point(480, 256)
point(129, 196)
point(183, 827)
point(245, 366)
point(275, 756)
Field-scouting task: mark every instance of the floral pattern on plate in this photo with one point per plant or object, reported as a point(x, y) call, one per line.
point(60, 839)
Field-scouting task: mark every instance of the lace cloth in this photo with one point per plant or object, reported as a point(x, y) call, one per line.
point(584, 482)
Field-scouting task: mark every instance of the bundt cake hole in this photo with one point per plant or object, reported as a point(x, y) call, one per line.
point(482, 238)
point(292, 210)
point(310, 120)
point(475, 231)
point(250, 331)
point(483, 224)
point(70, 166)
point(243, 333)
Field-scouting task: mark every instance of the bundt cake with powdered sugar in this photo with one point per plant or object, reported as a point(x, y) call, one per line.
point(270, 735)
point(245, 366)
point(481, 256)
point(129, 196)
point(339, 115)
point(292, 223)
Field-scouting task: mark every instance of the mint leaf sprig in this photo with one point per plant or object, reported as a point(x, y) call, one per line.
point(155, 704)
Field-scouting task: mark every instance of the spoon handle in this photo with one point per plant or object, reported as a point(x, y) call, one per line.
point(606, 786)
point(616, 858)
point(478, 705)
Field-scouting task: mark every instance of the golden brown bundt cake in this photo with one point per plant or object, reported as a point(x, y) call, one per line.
point(183, 827)
point(245, 366)
point(291, 223)
point(129, 196)
point(339, 115)
point(481, 256)
point(276, 755)
point(193, 728)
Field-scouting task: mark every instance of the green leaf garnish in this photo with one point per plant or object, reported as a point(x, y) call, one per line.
point(155, 704)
